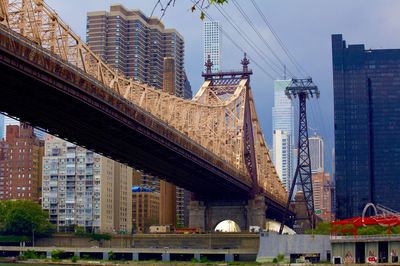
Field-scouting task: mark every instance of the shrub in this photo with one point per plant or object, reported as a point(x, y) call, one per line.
point(74, 258)
point(29, 254)
point(111, 255)
point(203, 259)
point(56, 254)
point(99, 237)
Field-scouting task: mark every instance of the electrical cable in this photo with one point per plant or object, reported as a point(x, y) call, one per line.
point(250, 42)
point(299, 67)
point(233, 41)
point(249, 21)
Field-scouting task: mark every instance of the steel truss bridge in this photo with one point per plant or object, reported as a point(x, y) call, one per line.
point(211, 145)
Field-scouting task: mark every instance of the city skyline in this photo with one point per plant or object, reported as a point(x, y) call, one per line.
point(314, 52)
point(132, 156)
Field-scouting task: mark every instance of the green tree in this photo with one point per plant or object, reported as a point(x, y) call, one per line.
point(323, 228)
point(23, 217)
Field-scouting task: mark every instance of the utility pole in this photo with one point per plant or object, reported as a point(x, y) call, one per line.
point(303, 89)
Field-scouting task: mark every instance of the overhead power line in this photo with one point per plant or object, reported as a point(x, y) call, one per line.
point(234, 42)
point(254, 28)
point(260, 52)
point(299, 68)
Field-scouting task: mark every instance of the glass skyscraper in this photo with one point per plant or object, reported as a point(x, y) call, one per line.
point(212, 44)
point(367, 126)
point(283, 132)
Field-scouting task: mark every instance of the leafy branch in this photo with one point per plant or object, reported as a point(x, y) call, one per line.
point(197, 4)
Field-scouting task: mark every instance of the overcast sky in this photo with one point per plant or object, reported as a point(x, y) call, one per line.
point(305, 26)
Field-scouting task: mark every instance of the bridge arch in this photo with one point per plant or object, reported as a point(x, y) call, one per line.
point(217, 213)
point(227, 226)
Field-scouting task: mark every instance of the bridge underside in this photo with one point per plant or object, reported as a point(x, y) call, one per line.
point(57, 105)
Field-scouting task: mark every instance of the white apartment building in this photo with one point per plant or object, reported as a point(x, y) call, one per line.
point(316, 154)
point(212, 44)
point(82, 188)
point(283, 157)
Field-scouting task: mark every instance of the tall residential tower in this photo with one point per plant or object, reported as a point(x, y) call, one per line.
point(136, 45)
point(212, 44)
point(82, 188)
point(316, 144)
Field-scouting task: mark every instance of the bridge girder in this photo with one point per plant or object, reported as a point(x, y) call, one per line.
point(215, 123)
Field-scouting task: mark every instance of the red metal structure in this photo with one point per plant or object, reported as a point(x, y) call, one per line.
point(387, 218)
point(351, 224)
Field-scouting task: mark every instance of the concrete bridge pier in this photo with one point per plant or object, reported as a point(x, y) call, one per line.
point(229, 258)
point(208, 214)
point(105, 255)
point(166, 256)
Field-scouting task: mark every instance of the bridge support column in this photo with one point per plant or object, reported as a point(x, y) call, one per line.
point(229, 258)
point(256, 209)
point(166, 257)
point(105, 255)
point(48, 254)
point(197, 212)
point(135, 256)
point(197, 257)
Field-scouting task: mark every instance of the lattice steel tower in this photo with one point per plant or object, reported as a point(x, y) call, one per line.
point(303, 89)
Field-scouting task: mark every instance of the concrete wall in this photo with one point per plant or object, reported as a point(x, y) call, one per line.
point(200, 241)
point(346, 249)
point(273, 244)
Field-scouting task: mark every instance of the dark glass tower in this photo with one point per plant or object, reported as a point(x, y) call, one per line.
point(367, 127)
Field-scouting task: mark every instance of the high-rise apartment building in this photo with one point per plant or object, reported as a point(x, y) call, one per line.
point(316, 144)
point(367, 125)
point(188, 88)
point(322, 194)
point(212, 44)
point(20, 162)
point(136, 45)
point(4, 164)
point(283, 124)
point(7, 121)
point(2, 131)
point(82, 188)
point(145, 208)
point(282, 156)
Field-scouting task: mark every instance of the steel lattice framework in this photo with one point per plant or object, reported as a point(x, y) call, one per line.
point(303, 89)
point(221, 117)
